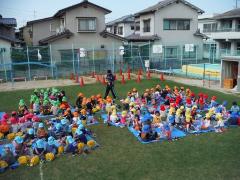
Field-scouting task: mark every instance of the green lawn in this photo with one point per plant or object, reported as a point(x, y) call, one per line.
point(121, 156)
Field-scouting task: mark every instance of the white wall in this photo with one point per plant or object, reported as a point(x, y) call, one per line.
point(5, 57)
point(176, 11)
point(152, 25)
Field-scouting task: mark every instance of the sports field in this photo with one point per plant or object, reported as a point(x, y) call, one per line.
point(121, 156)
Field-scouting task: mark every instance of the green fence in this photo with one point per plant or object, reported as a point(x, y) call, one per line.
point(60, 61)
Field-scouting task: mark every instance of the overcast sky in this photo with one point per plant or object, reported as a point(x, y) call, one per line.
point(26, 10)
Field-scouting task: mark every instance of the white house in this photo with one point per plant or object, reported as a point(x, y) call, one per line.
point(123, 26)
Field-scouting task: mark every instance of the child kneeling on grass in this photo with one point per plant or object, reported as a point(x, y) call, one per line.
point(147, 133)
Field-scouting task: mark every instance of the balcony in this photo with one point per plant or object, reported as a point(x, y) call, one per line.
point(224, 33)
point(228, 52)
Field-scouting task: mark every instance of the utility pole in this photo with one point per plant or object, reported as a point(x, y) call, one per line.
point(34, 14)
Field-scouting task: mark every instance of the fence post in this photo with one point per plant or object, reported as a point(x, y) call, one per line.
point(29, 71)
point(165, 61)
point(4, 66)
point(196, 54)
point(203, 74)
point(73, 59)
point(50, 49)
point(93, 51)
point(181, 54)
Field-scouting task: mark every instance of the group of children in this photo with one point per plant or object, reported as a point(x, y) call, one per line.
point(30, 136)
point(156, 112)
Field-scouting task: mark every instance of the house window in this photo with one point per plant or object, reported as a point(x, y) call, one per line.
point(210, 27)
point(171, 52)
point(86, 24)
point(120, 30)
point(132, 27)
point(176, 24)
point(146, 25)
point(62, 22)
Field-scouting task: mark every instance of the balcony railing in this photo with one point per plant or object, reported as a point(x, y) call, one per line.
point(221, 30)
point(228, 52)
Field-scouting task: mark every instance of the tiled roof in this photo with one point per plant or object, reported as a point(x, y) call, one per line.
point(65, 34)
point(83, 3)
point(137, 37)
point(7, 38)
point(229, 14)
point(39, 20)
point(165, 3)
point(106, 34)
point(8, 21)
point(124, 19)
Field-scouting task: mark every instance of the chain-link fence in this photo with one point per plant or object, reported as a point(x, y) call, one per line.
point(60, 61)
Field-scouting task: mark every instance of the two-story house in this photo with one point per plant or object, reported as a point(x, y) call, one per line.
point(7, 39)
point(79, 26)
point(123, 26)
point(171, 23)
point(223, 31)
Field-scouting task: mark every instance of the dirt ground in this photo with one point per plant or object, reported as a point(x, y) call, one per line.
point(89, 80)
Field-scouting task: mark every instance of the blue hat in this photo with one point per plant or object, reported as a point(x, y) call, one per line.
point(63, 121)
point(58, 126)
point(79, 122)
point(41, 125)
point(40, 143)
point(19, 139)
point(79, 131)
point(171, 119)
point(224, 103)
point(80, 126)
point(146, 128)
point(51, 140)
point(70, 139)
point(146, 117)
point(30, 131)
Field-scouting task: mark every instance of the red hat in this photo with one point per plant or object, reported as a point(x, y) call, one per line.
point(162, 108)
point(192, 94)
point(205, 96)
point(5, 116)
point(214, 98)
point(22, 120)
point(188, 100)
point(36, 119)
point(14, 113)
point(200, 94)
point(29, 116)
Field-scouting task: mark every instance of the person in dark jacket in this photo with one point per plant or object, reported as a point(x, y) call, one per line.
point(110, 84)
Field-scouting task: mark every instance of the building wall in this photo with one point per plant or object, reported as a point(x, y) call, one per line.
point(5, 57)
point(26, 35)
point(177, 11)
point(41, 30)
point(153, 23)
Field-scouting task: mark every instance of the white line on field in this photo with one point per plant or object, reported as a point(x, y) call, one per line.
point(41, 171)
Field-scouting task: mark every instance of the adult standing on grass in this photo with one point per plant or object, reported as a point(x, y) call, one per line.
point(110, 84)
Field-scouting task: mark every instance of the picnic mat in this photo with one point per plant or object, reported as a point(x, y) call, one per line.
point(176, 133)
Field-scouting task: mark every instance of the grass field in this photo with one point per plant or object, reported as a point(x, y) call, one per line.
point(121, 156)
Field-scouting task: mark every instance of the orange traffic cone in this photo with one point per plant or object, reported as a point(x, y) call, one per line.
point(72, 76)
point(81, 82)
point(93, 74)
point(129, 75)
point(77, 79)
point(120, 72)
point(97, 78)
point(140, 71)
point(103, 80)
point(138, 78)
point(129, 70)
point(148, 75)
point(162, 77)
point(123, 80)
